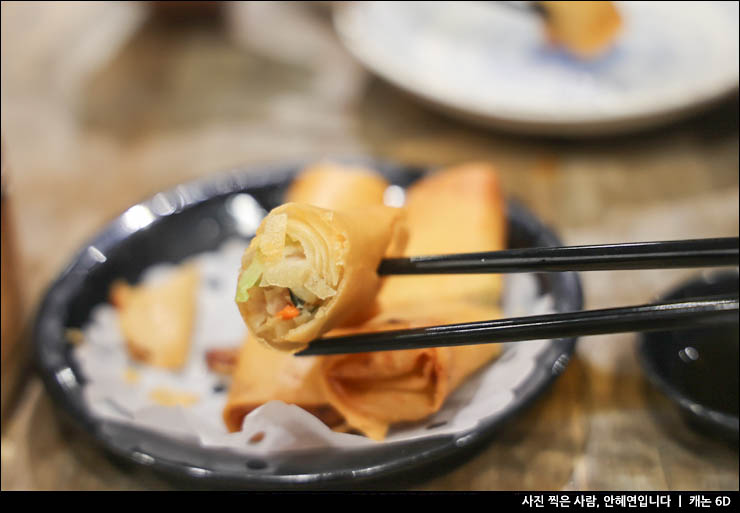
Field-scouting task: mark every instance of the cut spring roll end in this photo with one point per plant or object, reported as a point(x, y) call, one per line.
point(309, 269)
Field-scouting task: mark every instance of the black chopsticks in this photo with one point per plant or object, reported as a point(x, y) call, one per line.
point(635, 255)
point(678, 314)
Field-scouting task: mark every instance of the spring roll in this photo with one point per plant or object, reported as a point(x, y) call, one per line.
point(157, 319)
point(585, 29)
point(310, 269)
point(373, 391)
point(337, 187)
point(457, 210)
point(263, 374)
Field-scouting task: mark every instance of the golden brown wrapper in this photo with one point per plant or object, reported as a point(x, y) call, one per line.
point(263, 374)
point(585, 29)
point(157, 319)
point(457, 210)
point(337, 187)
point(257, 377)
point(341, 251)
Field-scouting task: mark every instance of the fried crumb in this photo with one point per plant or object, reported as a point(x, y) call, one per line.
point(257, 437)
point(131, 375)
point(168, 397)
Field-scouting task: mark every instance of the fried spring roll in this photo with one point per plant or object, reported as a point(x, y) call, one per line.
point(458, 210)
point(263, 374)
point(373, 391)
point(586, 29)
point(310, 269)
point(337, 187)
point(157, 319)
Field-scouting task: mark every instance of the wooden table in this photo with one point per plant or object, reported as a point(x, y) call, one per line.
point(102, 107)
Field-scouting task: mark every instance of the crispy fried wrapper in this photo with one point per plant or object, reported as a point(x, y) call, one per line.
point(585, 29)
point(337, 187)
point(310, 269)
point(157, 319)
point(456, 210)
point(263, 374)
point(260, 374)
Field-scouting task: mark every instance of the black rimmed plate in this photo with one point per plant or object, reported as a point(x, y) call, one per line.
point(698, 368)
point(198, 217)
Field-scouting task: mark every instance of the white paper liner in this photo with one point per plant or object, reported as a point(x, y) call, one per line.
point(104, 361)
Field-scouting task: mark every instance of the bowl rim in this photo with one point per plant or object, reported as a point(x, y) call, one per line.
point(236, 180)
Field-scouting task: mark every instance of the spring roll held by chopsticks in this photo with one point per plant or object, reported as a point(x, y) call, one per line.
point(310, 269)
point(457, 210)
point(263, 374)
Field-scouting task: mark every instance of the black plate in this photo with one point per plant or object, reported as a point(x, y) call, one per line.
point(698, 368)
point(195, 218)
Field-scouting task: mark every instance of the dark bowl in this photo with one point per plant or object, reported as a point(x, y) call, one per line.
point(698, 368)
point(194, 218)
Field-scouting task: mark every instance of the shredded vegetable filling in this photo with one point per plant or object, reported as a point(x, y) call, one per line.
point(285, 291)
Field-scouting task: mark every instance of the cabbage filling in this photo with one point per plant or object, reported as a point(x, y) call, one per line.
point(281, 288)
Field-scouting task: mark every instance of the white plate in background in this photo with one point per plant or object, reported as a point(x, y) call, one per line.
point(491, 64)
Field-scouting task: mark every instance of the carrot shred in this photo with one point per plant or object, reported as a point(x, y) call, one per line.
point(288, 312)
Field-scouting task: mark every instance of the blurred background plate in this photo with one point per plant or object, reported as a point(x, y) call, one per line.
point(130, 244)
point(490, 64)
